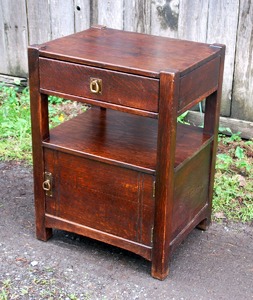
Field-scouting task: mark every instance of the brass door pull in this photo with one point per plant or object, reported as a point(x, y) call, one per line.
point(48, 184)
point(96, 85)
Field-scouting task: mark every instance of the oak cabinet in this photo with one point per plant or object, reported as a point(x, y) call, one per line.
point(125, 172)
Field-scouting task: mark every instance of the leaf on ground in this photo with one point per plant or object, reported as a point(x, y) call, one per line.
point(219, 215)
point(241, 179)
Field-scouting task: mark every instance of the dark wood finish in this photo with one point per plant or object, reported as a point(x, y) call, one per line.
point(140, 249)
point(198, 84)
point(118, 88)
point(211, 125)
point(191, 191)
point(167, 127)
point(119, 138)
point(40, 131)
point(124, 51)
point(105, 105)
point(128, 175)
point(108, 198)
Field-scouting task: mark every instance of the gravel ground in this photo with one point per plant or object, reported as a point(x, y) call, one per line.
point(217, 264)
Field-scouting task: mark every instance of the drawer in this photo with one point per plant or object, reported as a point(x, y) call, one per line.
point(107, 198)
point(123, 89)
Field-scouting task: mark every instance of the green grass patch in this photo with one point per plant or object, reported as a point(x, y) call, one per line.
point(15, 126)
point(15, 121)
point(233, 189)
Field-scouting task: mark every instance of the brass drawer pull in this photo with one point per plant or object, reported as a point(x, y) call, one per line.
point(96, 85)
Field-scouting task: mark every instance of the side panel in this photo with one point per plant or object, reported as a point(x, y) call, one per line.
point(191, 190)
point(198, 84)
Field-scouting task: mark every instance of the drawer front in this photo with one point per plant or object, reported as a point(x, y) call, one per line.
point(114, 87)
point(101, 196)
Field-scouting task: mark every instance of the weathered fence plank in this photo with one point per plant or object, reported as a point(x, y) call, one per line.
point(137, 16)
point(164, 17)
point(110, 13)
point(82, 14)
point(193, 16)
point(14, 37)
point(4, 64)
point(62, 18)
point(222, 28)
point(93, 12)
point(244, 127)
point(242, 105)
point(39, 25)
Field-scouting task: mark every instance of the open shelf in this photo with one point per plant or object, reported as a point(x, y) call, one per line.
point(122, 139)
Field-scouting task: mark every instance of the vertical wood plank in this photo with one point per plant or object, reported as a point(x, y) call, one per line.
point(82, 14)
point(222, 28)
point(93, 12)
point(39, 24)
point(110, 13)
point(137, 16)
point(242, 105)
point(4, 66)
point(62, 18)
point(193, 16)
point(164, 17)
point(14, 37)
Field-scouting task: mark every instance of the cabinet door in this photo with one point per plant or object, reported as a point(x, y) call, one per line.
point(102, 196)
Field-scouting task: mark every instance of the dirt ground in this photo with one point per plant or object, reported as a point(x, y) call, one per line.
point(217, 264)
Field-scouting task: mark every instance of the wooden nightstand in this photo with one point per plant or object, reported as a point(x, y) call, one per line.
point(126, 173)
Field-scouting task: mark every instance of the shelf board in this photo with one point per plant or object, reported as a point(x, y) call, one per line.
point(121, 139)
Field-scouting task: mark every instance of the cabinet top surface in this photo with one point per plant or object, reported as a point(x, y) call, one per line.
point(129, 52)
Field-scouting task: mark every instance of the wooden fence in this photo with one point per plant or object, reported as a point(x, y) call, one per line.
point(229, 22)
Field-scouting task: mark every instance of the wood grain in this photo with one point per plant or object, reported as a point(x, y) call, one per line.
point(193, 17)
point(110, 13)
point(39, 27)
point(129, 52)
point(242, 106)
point(137, 15)
point(139, 92)
point(14, 38)
point(108, 198)
point(82, 12)
point(40, 131)
point(166, 151)
point(222, 28)
point(123, 178)
point(128, 139)
point(164, 18)
point(245, 127)
point(62, 18)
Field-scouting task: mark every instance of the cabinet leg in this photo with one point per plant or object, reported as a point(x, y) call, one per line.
point(204, 224)
point(160, 271)
point(43, 234)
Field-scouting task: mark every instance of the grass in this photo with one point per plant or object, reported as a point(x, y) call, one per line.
point(233, 190)
point(15, 124)
point(37, 288)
